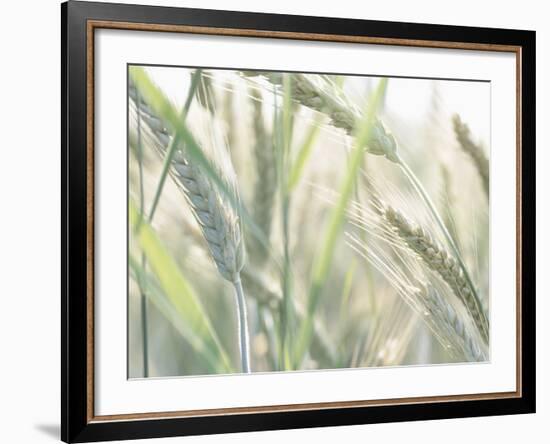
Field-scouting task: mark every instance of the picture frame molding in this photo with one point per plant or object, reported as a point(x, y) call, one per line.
point(79, 22)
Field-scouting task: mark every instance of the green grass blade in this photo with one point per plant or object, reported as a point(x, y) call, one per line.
point(287, 114)
point(200, 333)
point(346, 291)
point(155, 295)
point(321, 266)
point(303, 155)
point(288, 287)
point(197, 75)
point(158, 192)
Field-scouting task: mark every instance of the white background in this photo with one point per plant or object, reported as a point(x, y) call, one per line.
point(29, 234)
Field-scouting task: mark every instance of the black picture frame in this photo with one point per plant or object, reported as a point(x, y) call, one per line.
point(77, 424)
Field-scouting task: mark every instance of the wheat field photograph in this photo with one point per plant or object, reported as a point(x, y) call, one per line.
point(287, 221)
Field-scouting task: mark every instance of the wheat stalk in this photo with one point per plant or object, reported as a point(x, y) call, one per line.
point(219, 221)
point(437, 313)
point(473, 150)
point(446, 323)
point(439, 260)
point(261, 288)
point(229, 117)
point(448, 326)
point(265, 186)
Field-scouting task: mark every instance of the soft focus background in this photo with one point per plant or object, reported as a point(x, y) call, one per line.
point(367, 314)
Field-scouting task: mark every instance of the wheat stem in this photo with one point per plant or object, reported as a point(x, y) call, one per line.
point(266, 178)
point(242, 325)
point(316, 93)
point(258, 287)
point(471, 298)
point(142, 295)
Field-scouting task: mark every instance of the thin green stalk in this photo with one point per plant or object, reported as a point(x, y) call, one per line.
point(303, 155)
point(321, 267)
point(196, 326)
point(287, 313)
point(346, 292)
point(142, 295)
point(174, 144)
point(431, 207)
point(287, 278)
point(242, 326)
point(266, 321)
point(284, 124)
point(373, 306)
point(447, 206)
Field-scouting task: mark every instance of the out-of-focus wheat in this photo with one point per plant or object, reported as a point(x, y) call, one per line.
point(218, 219)
point(473, 150)
point(318, 93)
point(265, 187)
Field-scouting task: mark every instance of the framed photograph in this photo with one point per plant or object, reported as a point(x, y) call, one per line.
point(275, 221)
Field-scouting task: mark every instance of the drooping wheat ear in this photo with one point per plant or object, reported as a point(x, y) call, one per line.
point(265, 188)
point(261, 288)
point(320, 94)
point(216, 216)
point(435, 311)
point(439, 260)
point(473, 150)
point(451, 325)
point(218, 219)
